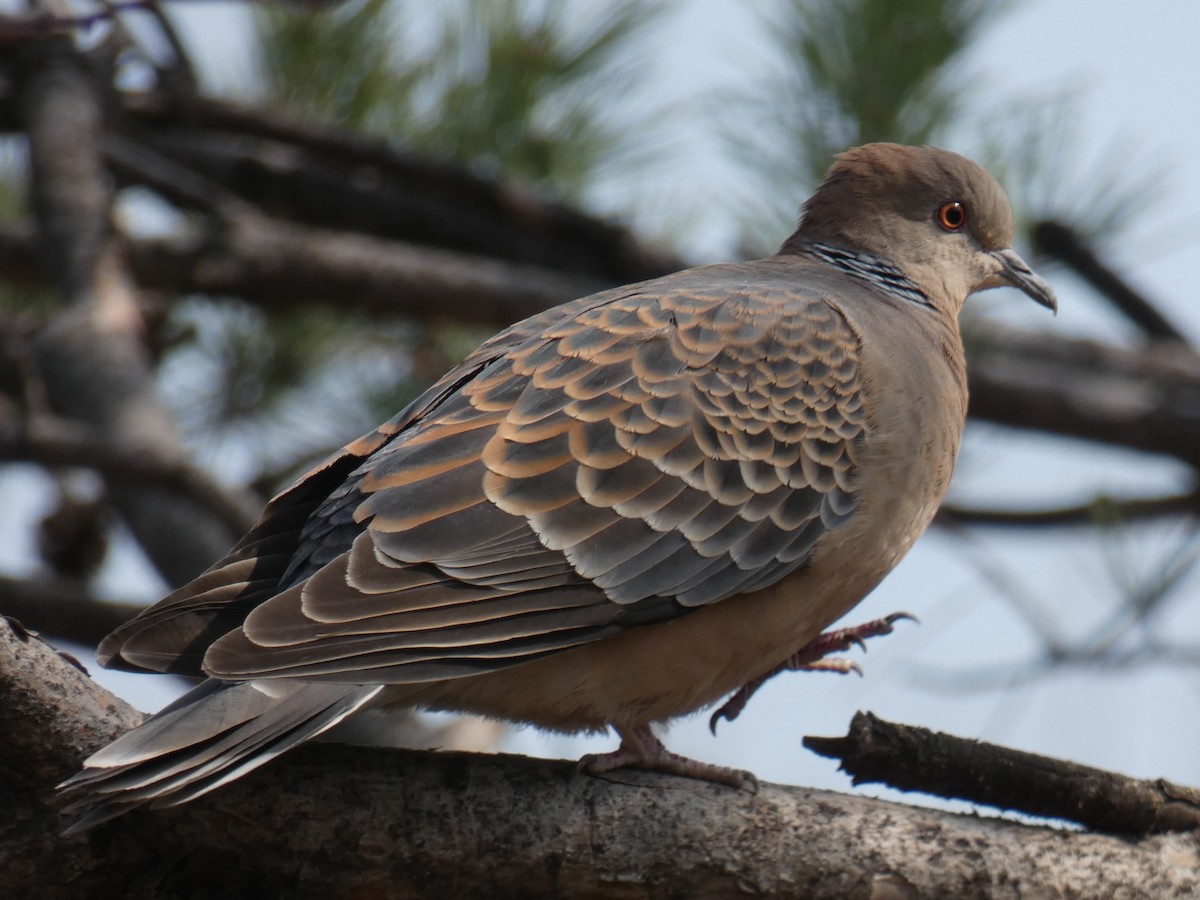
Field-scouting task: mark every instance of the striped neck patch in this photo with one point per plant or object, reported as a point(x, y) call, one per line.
point(873, 270)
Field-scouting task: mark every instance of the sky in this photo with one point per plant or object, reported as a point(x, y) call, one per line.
point(1138, 78)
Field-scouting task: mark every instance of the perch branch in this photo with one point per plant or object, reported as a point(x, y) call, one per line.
point(328, 820)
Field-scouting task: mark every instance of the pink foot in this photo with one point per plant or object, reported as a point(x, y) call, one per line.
point(640, 749)
point(811, 658)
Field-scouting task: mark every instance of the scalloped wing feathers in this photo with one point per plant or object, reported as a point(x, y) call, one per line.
point(614, 462)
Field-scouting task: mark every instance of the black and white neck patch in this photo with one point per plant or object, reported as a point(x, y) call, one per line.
point(879, 273)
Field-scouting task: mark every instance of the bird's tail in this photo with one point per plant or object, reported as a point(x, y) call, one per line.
point(217, 732)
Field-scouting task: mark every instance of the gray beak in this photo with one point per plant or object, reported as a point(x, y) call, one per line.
point(1015, 271)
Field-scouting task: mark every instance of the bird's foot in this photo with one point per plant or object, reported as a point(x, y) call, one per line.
point(641, 749)
point(811, 658)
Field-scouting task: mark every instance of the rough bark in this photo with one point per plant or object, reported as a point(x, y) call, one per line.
point(51, 714)
point(331, 820)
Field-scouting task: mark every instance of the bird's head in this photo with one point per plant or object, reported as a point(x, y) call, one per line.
point(938, 217)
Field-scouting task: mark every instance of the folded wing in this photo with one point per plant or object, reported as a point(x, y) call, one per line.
point(608, 464)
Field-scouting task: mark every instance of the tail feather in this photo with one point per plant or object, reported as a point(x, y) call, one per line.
point(212, 735)
point(210, 709)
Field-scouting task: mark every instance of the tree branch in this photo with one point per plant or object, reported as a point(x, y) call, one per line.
point(52, 716)
point(1145, 399)
point(1060, 242)
point(56, 443)
point(279, 265)
point(916, 759)
point(1101, 509)
point(312, 175)
point(331, 820)
point(63, 608)
point(92, 357)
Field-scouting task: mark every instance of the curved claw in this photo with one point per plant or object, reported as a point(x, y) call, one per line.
point(812, 658)
point(733, 707)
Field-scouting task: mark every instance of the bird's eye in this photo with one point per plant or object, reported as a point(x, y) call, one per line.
point(952, 215)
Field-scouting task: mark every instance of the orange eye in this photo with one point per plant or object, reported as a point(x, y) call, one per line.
point(952, 215)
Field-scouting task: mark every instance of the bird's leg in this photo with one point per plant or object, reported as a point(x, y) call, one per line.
point(811, 658)
point(641, 749)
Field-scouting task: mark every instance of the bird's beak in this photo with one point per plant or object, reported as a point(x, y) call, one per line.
point(1016, 272)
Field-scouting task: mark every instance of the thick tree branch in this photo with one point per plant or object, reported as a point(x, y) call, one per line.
point(916, 759)
point(51, 716)
point(340, 821)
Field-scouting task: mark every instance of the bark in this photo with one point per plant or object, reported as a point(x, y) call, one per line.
point(329, 820)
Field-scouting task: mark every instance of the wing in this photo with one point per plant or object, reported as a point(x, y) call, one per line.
point(174, 634)
point(616, 463)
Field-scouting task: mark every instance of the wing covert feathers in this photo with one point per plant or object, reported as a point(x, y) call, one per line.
point(613, 462)
point(620, 463)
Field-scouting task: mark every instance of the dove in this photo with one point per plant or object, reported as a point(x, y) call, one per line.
point(611, 514)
